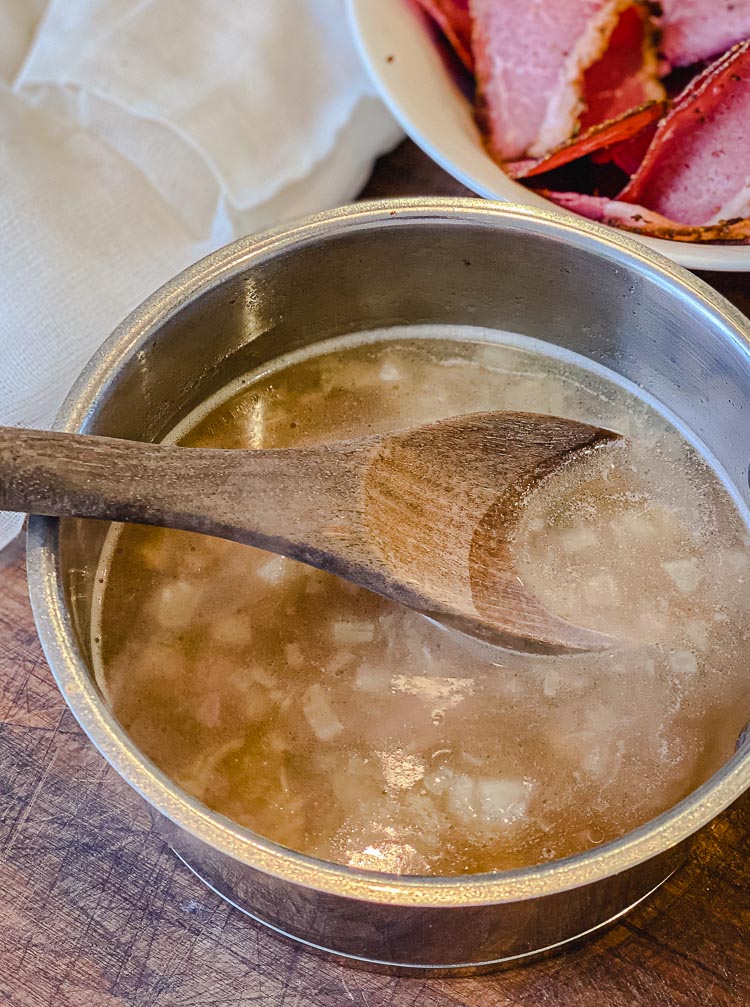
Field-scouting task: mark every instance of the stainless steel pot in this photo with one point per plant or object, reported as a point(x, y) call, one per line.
point(376, 264)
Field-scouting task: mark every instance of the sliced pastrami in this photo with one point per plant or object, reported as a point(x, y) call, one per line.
point(694, 30)
point(641, 220)
point(697, 167)
point(628, 154)
point(615, 132)
point(626, 75)
point(530, 63)
point(454, 20)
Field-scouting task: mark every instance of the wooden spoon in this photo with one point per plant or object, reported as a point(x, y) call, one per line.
point(424, 516)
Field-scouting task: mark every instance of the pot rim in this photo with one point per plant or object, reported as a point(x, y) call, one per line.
point(82, 696)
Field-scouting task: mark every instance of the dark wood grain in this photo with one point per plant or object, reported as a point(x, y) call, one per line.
point(97, 912)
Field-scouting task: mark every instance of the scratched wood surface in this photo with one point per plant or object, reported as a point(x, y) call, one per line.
point(95, 911)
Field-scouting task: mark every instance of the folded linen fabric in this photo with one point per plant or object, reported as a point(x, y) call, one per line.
point(137, 136)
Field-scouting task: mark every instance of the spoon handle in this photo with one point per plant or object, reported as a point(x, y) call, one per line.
point(275, 499)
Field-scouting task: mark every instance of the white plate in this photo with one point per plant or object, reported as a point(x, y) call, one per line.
point(398, 47)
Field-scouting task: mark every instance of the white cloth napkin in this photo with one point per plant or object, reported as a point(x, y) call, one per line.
point(137, 136)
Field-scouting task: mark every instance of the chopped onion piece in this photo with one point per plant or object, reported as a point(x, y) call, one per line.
point(503, 801)
point(603, 758)
point(461, 798)
point(276, 742)
point(369, 678)
point(351, 633)
point(262, 676)
point(488, 803)
point(208, 712)
point(601, 590)
point(232, 631)
point(577, 541)
point(697, 631)
point(275, 570)
point(319, 714)
point(735, 559)
point(551, 682)
point(389, 372)
point(683, 662)
point(176, 604)
point(294, 656)
point(197, 778)
point(686, 573)
point(438, 780)
point(630, 526)
point(649, 667)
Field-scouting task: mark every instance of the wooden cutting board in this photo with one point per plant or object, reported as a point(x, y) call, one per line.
point(96, 911)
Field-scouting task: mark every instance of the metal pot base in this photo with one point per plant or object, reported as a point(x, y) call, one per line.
point(420, 969)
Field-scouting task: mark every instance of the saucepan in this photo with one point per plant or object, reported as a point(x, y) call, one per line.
point(508, 267)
